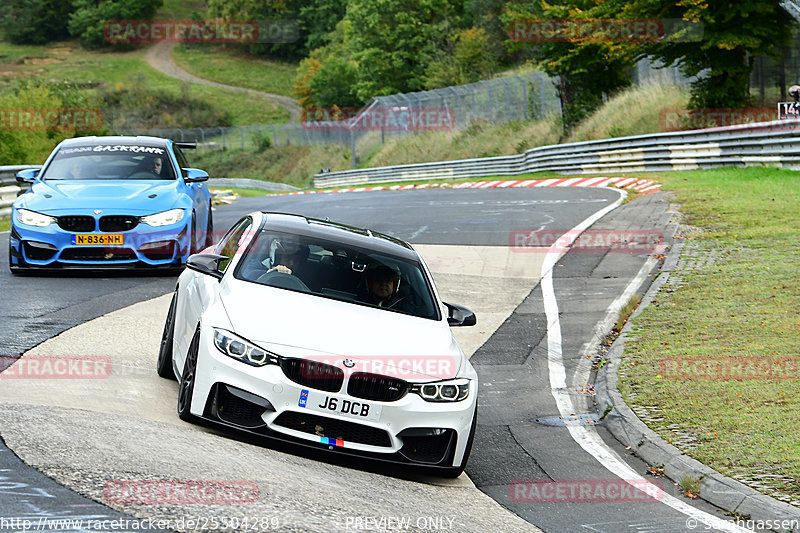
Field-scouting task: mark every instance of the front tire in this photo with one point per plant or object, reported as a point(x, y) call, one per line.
point(186, 390)
point(210, 229)
point(193, 237)
point(164, 365)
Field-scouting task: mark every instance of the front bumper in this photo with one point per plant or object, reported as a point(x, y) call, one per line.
point(262, 400)
point(52, 247)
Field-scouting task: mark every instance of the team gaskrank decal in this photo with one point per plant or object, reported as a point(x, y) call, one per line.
point(114, 148)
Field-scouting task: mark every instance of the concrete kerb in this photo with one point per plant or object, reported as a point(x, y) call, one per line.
point(717, 489)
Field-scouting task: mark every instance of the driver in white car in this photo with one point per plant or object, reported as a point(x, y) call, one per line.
point(287, 256)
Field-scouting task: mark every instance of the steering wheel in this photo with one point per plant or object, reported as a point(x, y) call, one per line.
point(283, 281)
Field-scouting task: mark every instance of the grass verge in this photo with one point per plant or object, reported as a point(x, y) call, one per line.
point(293, 165)
point(244, 193)
point(697, 367)
point(114, 70)
point(635, 111)
point(231, 65)
point(5, 223)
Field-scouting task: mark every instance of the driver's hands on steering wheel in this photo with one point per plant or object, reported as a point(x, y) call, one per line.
point(280, 268)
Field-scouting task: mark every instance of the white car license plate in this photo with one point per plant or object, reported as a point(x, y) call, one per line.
point(323, 403)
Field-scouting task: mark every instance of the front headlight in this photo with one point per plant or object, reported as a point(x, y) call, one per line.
point(238, 348)
point(453, 390)
point(165, 218)
point(32, 218)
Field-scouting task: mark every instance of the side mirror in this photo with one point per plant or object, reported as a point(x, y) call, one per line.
point(206, 264)
point(194, 175)
point(28, 175)
point(460, 316)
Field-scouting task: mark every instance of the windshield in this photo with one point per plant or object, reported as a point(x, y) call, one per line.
point(110, 162)
point(331, 270)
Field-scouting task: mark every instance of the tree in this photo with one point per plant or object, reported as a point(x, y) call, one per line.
point(469, 61)
point(393, 41)
point(591, 65)
point(88, 20)
point(315, 19)
point(318, 19)
point(733, 35)
point(35, 21)
point(334, 84)
point(328, 76)
point(488, 16)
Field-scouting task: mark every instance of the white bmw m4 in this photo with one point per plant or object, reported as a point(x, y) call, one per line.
point(322, 335)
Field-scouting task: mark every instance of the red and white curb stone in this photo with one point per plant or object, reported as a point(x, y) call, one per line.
point(639, 185)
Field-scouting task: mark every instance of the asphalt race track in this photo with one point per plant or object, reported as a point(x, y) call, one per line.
point(538, 315)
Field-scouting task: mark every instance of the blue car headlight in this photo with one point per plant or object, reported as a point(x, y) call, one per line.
point(164, 218)
point(453, 390)
point(32, 218)
point(245, 351)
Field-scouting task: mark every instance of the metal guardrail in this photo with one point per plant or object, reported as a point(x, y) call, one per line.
point(774, 143)
point(9, 189)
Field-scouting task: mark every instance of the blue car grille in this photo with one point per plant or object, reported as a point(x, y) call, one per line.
point(76, 223)
point(118, 222)
point(98, 254)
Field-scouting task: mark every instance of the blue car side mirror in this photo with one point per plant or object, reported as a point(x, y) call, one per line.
point(194, 175)
point(28, 175)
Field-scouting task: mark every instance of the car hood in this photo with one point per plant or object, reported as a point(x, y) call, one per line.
point(350, 336)
point(145, 196)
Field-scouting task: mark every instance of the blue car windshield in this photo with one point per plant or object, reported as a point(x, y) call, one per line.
point(110, 162)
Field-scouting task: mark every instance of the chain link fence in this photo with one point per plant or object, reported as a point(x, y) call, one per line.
point(514, 98)
point(522, 98)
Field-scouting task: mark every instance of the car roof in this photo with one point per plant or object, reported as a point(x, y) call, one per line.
point(117, 139)
point(342, 233)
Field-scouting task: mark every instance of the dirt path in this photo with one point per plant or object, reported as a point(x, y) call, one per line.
point(159, 56)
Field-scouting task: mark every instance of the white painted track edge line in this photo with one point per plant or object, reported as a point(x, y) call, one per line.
point(586, 437)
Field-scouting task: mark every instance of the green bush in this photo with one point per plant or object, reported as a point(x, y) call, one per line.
point(262, 140)
point(134, 105)
point(28, 143)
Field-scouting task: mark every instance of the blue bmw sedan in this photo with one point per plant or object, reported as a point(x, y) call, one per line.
point(111, 202)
